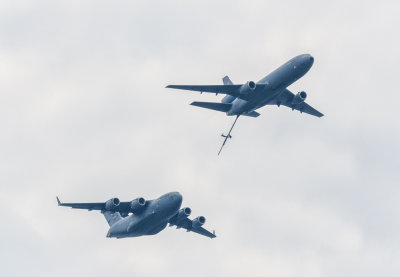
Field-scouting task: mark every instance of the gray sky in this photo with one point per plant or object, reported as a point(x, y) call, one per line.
point(84, 115)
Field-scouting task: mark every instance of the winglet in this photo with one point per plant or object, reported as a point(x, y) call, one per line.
point(58, 201)
point(213, 232)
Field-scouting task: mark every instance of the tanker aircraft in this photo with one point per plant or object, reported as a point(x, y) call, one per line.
point(141, 217)
point(245, 99)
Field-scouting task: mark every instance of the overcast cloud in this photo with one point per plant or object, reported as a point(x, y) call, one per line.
point(84, 115)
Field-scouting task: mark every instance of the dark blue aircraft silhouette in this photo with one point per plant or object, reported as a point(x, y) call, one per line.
point(245, 99)
point(141, 217)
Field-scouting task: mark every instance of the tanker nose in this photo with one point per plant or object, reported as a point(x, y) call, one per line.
point(308, 61)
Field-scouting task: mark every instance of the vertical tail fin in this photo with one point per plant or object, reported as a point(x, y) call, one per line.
point(112, 217)
point(227, 81)
point(228, 98)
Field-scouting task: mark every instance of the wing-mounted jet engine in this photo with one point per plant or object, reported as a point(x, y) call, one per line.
point(247, 88)
point(137, 205)
point(112, 204)
point(184, 213)
point(198, 222)
point(300, 97)
point(180, 217)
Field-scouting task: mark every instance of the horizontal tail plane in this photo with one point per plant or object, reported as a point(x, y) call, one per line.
point(221, 107)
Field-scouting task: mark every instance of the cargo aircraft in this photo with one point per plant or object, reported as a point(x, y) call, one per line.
point(141, 217)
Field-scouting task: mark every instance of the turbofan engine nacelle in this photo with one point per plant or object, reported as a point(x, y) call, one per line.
point(248, 87)
point(299, 97)
point(138, 204)
point(112, 204)
point(198, 221)
point(183, 213)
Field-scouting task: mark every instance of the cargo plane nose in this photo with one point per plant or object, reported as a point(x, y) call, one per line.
point(171, 202)
point(177, 198)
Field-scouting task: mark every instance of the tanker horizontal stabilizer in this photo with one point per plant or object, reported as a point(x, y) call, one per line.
point(221, 107)
point(251, 114)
